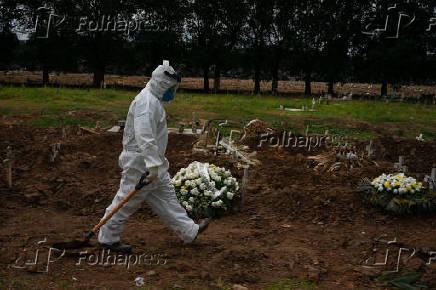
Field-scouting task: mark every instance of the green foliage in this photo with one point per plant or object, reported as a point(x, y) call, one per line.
point(407, 281)
point(292, 284)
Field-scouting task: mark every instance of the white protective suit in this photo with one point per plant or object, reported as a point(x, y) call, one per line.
point(144, 144)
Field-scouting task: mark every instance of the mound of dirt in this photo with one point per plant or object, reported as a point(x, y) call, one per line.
point(294, 221)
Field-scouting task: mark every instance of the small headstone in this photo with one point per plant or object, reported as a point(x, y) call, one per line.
point(64, 133)
point(307, 130)
point(282, 107)
point(313, 103)
point(181, 127)
point(114, 129)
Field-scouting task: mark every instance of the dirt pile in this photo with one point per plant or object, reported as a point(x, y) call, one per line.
point(294, 221)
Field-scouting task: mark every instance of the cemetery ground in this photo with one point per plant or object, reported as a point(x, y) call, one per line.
point(297, 227)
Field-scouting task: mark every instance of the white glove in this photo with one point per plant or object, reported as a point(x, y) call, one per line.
point(152, 174)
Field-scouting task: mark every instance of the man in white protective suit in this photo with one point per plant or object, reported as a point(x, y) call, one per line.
point(144, 144)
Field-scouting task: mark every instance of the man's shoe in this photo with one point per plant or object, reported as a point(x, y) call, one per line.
point(202, 226)
point(118, 247)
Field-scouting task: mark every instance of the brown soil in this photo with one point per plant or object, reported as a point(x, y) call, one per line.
point(294, 222)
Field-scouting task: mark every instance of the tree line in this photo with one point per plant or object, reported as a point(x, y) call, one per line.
point(387, 42)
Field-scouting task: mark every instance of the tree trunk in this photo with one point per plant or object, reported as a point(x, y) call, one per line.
point(308, 87)
point(330, 89)
point(45, 76)
point(98, 77)
point(217, 80)
point(384, 88)
point(256, 80)
point(206, 78)
point(275, 80)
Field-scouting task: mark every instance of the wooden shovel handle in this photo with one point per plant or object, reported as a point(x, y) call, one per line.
point(114, 210)
point(141, 183)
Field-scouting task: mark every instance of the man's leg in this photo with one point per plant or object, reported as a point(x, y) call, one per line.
point(164, 202)
point(110, 232)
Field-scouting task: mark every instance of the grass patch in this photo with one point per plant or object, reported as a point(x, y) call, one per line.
point(292, 284)
point(342, 132)
point(109, 105)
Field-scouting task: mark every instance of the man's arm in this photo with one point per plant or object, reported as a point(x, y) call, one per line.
point(145, 124)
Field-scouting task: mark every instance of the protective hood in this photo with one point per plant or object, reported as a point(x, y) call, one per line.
point(164, 77)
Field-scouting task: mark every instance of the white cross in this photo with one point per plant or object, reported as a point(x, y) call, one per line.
point(400, 166)
point(56, 148)
point(369, 149)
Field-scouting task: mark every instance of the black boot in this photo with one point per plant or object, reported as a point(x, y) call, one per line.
point(202, 226)
point(118, 247)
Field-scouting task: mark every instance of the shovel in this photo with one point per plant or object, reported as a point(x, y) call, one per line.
point(85, 243)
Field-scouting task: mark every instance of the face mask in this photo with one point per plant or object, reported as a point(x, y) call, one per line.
point(168, 96)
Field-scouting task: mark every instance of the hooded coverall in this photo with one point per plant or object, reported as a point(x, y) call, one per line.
point(144, 144)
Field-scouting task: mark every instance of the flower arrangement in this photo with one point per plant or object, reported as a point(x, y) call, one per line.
point(398, 194)
point(205, 190)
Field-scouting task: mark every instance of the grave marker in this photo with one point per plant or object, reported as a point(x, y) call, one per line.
point(231, 134)
point(369, 149)
point(181, 127)
point(244, 184)
point(400, 166)
point(8, 163)
point(194, 129)
point(55, 148)
point(431, 180)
